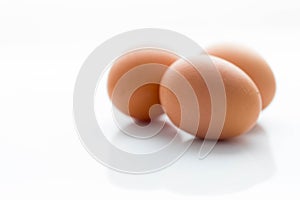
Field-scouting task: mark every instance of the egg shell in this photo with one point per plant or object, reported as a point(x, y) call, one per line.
point(243, 101)
point(146, 95)
point(252, 64)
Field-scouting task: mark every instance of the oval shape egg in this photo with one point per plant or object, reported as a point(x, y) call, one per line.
point(144, 96)
point(243, 101)
point(252, 64)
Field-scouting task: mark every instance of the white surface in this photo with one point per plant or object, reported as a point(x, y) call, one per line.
point(42, 47)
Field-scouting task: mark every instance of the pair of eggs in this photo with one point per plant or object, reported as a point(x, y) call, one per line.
point(248, 82)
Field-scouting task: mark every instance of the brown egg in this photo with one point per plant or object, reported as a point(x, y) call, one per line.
point(243, 101)
point(144, 96)
point(251, 63)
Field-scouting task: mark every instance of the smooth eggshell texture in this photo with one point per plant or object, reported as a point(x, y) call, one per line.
point(252, 64)
point(145, 96)
point(243, 101)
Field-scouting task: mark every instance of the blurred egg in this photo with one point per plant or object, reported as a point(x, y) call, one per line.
point(243, 101)
point(144, 96)
point(252, 64)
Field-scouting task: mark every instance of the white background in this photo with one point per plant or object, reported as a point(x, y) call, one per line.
point(42, 47)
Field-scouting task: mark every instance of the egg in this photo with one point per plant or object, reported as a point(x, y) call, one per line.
point(144, 96)
point(243, 100)
point(252, 64)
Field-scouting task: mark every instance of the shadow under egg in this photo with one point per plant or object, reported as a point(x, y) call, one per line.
point(233, 165)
